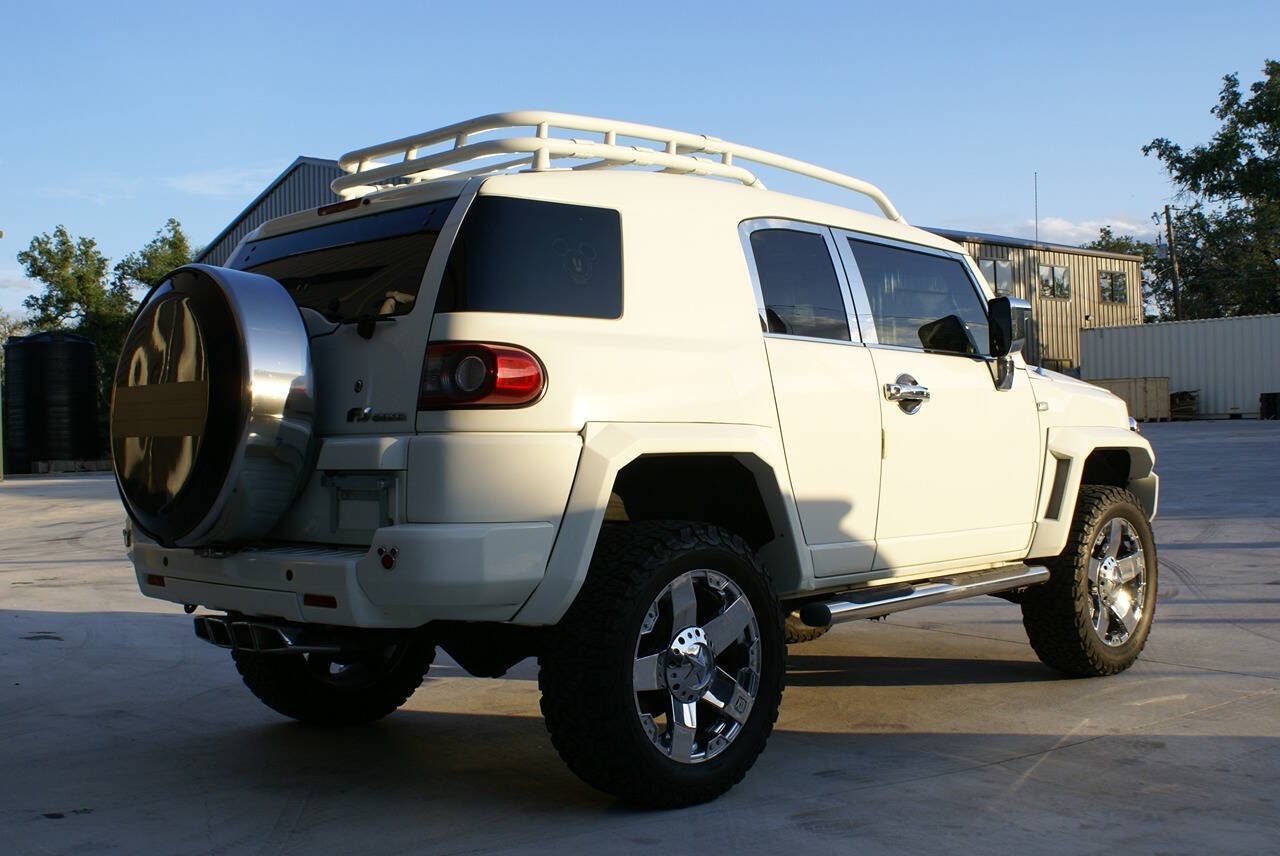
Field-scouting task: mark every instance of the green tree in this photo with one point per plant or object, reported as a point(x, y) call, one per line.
point(73, 272)
point(1109, 242)
point(169, 249)
point(1228, 232)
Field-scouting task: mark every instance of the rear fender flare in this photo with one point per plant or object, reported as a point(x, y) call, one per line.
point(608, 447)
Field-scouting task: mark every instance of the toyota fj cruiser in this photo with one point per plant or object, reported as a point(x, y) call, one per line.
point(520, 394)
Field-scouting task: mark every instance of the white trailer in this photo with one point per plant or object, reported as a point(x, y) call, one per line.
point(1230, 362)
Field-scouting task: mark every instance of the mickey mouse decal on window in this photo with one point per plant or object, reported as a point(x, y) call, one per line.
point(578, 259)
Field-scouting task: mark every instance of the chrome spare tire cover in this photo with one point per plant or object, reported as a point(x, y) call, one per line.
point(212, 408)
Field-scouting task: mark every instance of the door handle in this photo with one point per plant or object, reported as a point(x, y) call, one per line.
point(909, 394)
point(899, 391)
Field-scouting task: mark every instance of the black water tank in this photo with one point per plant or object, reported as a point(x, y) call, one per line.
point(50, 400)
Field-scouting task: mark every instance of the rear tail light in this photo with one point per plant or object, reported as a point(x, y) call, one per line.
point(474, 374)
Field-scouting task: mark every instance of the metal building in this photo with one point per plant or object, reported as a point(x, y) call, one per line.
point(304, 184)
point(1229, 362)
point(1070, 289)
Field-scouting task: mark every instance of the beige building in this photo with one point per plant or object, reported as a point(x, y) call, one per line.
point(1070, 289)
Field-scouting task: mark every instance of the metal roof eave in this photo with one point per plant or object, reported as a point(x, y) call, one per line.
point(279, 179)
point(1026, 243)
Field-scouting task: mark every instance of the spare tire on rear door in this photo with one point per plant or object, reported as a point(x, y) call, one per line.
point(212, 408)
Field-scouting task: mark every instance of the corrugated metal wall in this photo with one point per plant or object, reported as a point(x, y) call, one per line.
point(305, 186)
point(1057, 322)
point(1230, 361)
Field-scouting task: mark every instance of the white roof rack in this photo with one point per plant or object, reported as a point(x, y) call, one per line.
point(677, 153)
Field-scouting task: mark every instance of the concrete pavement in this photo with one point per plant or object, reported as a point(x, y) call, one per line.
point(934, 731)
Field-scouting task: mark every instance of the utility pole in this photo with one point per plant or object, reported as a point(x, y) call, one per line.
point(1035, 183)
point(1173, 257)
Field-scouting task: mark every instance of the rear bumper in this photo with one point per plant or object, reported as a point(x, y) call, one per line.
point(455, 571)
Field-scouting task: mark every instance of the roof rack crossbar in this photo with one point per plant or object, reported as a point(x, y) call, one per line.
point(675, 152)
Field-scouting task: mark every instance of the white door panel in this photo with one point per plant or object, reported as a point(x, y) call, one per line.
point(959, 475)
point(830, 420)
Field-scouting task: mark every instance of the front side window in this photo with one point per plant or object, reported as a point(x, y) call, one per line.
point(921, 300)
point(799, 285)
point(999, 274)
point(1055, 281)
point(536, 258)
point(1112, 287)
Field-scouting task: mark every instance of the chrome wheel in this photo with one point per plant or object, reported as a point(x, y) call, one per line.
point(697, 666)
point(1117, 581)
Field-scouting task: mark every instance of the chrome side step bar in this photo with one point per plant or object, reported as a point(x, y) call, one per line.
point(259, 637)
point(883, 600)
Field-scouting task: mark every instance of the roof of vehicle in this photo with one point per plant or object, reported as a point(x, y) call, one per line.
point(625, 189)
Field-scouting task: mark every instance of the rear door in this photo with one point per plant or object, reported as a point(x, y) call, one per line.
point(961, 468)
point(824, 388)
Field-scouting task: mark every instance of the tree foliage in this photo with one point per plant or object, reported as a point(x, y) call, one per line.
point(1228, 232)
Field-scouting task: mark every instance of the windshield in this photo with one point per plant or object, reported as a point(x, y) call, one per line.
point(370, 265)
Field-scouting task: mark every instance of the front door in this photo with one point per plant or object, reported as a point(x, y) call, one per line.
point(960, 467)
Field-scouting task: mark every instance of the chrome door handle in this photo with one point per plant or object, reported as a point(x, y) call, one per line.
point(899, 391)
point(909, 394)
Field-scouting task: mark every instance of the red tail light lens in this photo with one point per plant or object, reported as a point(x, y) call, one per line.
point(475, 374)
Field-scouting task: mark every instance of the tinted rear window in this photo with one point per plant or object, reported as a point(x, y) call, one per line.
point(540, 258)
point(370, 265)
point(799, 285)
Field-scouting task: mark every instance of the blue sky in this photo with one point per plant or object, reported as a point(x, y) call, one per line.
point(116, 116)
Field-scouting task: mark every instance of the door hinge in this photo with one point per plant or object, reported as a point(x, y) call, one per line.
point(883, 442)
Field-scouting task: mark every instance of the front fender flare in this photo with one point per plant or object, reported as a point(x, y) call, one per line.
point(1067, 450)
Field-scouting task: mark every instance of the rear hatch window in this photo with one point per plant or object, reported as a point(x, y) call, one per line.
point(371, 265)
point(539, 258)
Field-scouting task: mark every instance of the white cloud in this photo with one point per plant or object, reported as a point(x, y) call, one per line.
point(226, 182)
point(1058, 230)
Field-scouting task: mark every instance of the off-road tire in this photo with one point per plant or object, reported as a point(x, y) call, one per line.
point(796, 631)
point(586, 667)
point(1056, 614)
point(287, 684)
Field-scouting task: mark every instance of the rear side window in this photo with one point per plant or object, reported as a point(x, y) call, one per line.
point(799, 285)
point(371, 265)
point(538, 258)
point(921, 300)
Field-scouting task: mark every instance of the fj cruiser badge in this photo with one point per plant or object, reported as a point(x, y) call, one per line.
point(366, 414)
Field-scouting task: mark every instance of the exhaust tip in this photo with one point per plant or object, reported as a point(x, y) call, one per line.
point(815, 615)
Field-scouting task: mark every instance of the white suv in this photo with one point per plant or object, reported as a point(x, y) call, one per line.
point(645, 426)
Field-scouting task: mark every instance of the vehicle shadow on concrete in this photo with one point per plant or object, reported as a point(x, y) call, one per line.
point(123, 729)
point(836, 670)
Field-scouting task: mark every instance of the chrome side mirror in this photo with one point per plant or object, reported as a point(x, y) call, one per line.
point(1008, 318)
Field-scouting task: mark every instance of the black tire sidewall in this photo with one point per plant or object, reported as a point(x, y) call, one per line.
point(1124, 654)
point(772, 665)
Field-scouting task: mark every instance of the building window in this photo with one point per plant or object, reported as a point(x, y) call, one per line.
point(1055, 281)
point(1112, 287)
point(998, 273)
